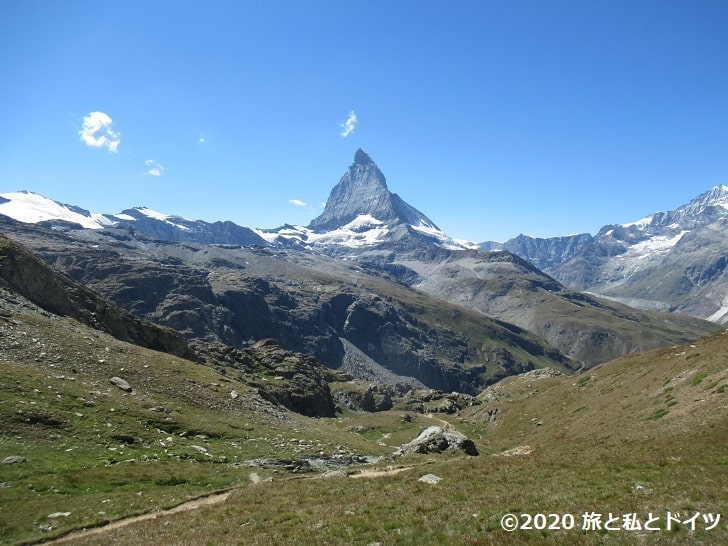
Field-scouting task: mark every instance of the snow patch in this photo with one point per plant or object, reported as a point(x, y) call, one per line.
point(654, 245)
point(126, 217)
point(720, 316)
point(153, 214)
point(364, 230)
point(446, 241)
point(646, 221)
point(32, 208)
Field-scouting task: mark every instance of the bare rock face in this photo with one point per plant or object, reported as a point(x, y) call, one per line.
point(436, 440)
point(363, 191)
point(297, 381)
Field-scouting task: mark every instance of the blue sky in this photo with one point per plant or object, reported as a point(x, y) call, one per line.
point(493, 118)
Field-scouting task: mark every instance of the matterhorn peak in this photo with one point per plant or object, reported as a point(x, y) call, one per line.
point(362, 158)
point(362, 196)
point(361, 191)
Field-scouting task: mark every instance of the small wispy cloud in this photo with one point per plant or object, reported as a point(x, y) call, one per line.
point(96, 132)
point(349, 124)
point(201, 140)
point(153, 168)
point(297, 202)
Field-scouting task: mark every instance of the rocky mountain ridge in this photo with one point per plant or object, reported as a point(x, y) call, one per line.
point(29, 277)
point(387, 240)
point(348, 318)
point(670, 261)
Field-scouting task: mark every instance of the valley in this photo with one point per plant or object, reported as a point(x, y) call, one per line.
point(365, 379)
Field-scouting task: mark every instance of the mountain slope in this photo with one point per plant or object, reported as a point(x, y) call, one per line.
point(362, 216)
point(672, 261)
point(368, 225)
point(644, 434)
point(313, 304)
point(25, 274)
point(587, 329)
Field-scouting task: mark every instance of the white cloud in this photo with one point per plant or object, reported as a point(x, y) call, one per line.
point(96, 132)
point(153, 168)
point(201, 140)
point(297, 202)
point(349, 125)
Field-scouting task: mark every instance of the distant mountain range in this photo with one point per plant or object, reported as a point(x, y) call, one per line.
point(220, 281)
point(668, 261)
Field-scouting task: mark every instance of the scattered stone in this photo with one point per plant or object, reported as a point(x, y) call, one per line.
point(358, 429)
point(121, 383)
point(55, 515)
point(234, 394)
point(492, 415)
point(124, 438)
point(430, 478)
point(12, 459)
point(334, 474)
point(542, 373)
point(436, 439)
point(518, 450)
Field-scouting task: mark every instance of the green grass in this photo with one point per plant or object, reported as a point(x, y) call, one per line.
point(585, 445)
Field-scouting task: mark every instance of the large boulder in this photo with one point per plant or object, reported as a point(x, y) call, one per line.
point(436, 439)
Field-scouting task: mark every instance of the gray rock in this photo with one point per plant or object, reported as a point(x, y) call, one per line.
point(436, 440)
point(430, 478)
point(12, 459)
point(121, 383)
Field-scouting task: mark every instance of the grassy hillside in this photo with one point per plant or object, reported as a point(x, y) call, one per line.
point(644, 434)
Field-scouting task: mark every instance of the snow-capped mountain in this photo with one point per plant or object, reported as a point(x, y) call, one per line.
point(673, 260)
point(33, 208)
point(361, 213)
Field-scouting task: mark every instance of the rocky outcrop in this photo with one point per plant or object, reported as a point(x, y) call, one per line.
point(434, 401)
point(436, 440)
point(372, 397)
point(296, 381)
